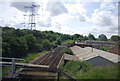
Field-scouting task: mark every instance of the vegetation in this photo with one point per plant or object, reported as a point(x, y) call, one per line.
point(5, 70)
point(67, 42)
point(91, 37)
point(67, 50)
point(110, 72)
point(20, 42)
point(27, 59)
point(82, 70)
point(29, 44)
point(74, 67)
point(115, 38)
point(30, 57)
point(105, 48)
point(102, 37)
point(79, 37)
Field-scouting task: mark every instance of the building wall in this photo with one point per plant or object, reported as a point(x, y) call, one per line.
point(98, 44)
point(99, 61)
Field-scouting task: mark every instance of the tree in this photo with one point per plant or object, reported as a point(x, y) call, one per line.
point(115, 38)
point(91, 37)
point(14, 47)
point(85, 38)
point(58, 41)
point(46, 44)
point(20, 48)
point(102, 37)
point(31, 42)
point(76, 36)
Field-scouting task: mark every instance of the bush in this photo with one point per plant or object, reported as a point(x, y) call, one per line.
point(74, 67)
point(105, 48)
point(83, 70)
point(67, 42)
point(110, 72)
point(67, 50)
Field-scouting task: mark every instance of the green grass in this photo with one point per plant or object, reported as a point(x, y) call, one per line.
point(67, 42)
point(0, 71)
point(30, 57)
point(110, 72)
point(82, 70)
point(5, 70)
point(105, 48)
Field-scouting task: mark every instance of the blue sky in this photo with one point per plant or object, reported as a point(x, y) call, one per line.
point(65, 16)
point(91, 6)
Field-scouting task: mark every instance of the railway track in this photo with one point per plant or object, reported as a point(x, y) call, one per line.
point(51, 58)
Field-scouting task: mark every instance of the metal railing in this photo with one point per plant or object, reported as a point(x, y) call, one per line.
point(13, 64)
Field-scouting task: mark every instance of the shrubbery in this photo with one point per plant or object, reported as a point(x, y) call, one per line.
point(105, 48)
point(74, 67)
point(83, 70)
point(67, 50)
point(110, 72)
point(20, 42)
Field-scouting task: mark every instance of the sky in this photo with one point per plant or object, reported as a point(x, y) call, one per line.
point(64, 16)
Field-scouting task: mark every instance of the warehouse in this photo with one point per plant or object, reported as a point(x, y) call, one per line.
point(97, 44)
point(94, 56)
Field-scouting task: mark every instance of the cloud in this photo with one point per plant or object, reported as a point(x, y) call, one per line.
point(44, 21)
point(78, 11)
point(81, 17)
point(21, 5)
point(105, 19)
point(63, 19)
point(19, 26)
point(67, 17)
point(108, 6)
point(7, 23)
point(102, 18)
point(58, 26)
point(110, 0)
point(56, 7)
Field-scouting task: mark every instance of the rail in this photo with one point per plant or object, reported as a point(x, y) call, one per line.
point(12, 64)
point(24, 65)
point(64, 74)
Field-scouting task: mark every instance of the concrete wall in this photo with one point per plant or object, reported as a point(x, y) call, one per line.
point(99, 61)
point(61, 62)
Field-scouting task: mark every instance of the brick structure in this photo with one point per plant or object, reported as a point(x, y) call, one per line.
point(115, 49)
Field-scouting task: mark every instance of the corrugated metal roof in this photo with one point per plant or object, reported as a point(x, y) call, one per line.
point(88, 53)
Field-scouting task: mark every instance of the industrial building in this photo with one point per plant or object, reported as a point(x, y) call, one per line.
point(97, 44)
point(94, 56)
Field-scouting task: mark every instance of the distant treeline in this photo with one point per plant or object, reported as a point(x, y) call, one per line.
point(20, 42)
